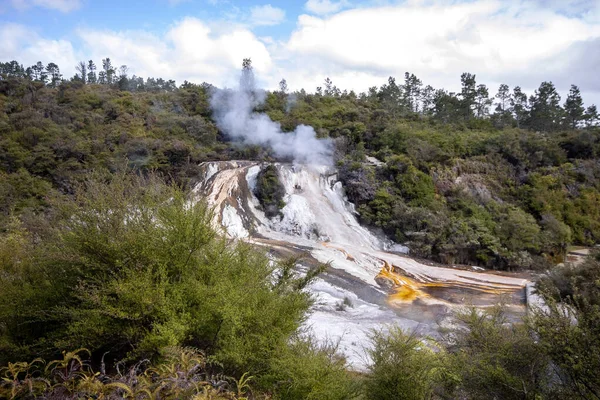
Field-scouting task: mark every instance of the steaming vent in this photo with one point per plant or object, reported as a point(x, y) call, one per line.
point(381, 285)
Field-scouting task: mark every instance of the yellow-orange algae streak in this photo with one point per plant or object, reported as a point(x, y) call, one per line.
point(407, 289)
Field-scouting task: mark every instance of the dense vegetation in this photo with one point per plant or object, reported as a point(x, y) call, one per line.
point(507, 189)
point(100, 248)
point(126, 269)
point(553, 354)
point(269, 191)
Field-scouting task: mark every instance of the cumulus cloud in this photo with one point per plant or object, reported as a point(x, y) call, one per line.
point(323, 7)
point(266, 15)
point(437, 40)
point(24, 45)
point(64, 6)
point(502, 41)
point(191, 50)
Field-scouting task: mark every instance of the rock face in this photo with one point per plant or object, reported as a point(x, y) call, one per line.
point(319, 223)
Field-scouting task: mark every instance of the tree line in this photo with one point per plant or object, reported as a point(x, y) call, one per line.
point(87, 73)
point(541, 111)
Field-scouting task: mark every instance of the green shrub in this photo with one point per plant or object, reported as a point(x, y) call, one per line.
point(309, 371)
point(131, 267)
point(490, 357)
point(269, 191)
point(568, 327)
point(403, 367)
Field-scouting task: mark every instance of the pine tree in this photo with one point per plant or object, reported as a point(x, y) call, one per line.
point(574, 107)
point(81, 67)
point(504, 98)
point(92, 78)
point(38, 73)
point(519, 106)
point(109, 71)
point(591, 115)
point(283, 87)
point(546, 112)
point(482, 101)
point(468, 94)
point(412, 91)
point(54, 74)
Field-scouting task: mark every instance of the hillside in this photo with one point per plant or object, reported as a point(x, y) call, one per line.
point(108, 259)
point(456, 183)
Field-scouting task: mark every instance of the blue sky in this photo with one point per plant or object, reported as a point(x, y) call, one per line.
point(154, 15)
point(357, 44)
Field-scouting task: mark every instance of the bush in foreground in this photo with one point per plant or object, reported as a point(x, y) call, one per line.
point(132, 267)
point(402, 368)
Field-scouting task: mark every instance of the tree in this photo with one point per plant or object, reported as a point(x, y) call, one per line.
point(247, 78)
point(133, 267)
point(54, 73)
point(504, 98)
point(482, 101)
point(574, 107)
point(502, 115)
point(283, 87)
point(568, 327)
point(122, 80)
point(102, 78)
point(92, 78)
point(402, 367)
point(81, 67)
point(446, 106)
point(546, 112)
point(109, 71)
point(519, 106)
point(12, 69)
point(328, 87)
point(591, 115)
point(390, 96)
point(411, 92)
point(468, 95)
point(427, 99)
point(490, 358)
point(38, 73)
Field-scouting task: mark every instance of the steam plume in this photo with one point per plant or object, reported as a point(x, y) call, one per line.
point(233, 111)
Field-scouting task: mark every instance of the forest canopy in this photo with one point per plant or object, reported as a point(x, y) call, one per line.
point(505, 180)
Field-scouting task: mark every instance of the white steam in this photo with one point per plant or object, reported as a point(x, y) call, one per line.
point(233, 111)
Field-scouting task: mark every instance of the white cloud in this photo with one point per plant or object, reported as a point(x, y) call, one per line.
point(266, 15)
point(190, 50)
point(24, 45)
point(324, 7)
point(437, 40)
point(60, 5)
point(514, 41)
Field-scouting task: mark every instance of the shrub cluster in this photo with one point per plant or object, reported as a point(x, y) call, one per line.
point(134, 273)
point(269, 191)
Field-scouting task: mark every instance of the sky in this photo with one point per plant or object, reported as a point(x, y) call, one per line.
point(356, 43)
